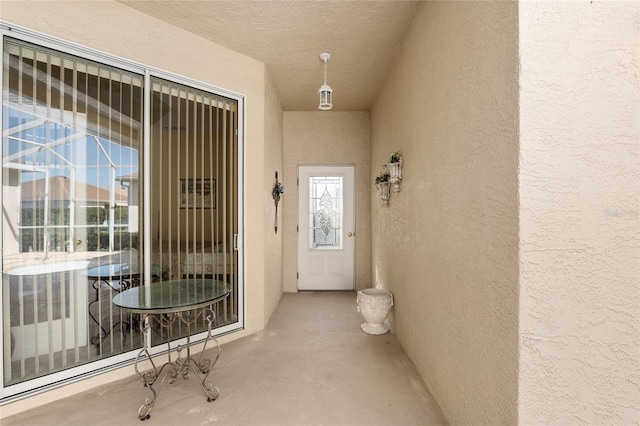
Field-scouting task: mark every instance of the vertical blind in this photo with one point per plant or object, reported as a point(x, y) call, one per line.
point(195, 186)
point(71, 141)
point(72, 194)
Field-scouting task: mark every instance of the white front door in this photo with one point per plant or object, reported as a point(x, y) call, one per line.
point(326, 227)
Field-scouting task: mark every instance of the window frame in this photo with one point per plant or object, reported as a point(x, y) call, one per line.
point(58, 379)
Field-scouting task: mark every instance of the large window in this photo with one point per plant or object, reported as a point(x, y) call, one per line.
point(73, 188)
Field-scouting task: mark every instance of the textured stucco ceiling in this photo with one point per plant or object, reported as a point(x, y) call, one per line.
point(288, 36)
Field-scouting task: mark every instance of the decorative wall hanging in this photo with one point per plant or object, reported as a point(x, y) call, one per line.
point(395, 170)
point(197, 193)
point(277, 190)
point(382, 183)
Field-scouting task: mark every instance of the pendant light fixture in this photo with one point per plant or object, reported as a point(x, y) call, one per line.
point(325, 92)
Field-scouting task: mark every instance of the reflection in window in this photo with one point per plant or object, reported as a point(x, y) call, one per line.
point(72, 189)
point(71, 152)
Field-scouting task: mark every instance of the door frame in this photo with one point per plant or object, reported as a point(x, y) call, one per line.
point(298, 222)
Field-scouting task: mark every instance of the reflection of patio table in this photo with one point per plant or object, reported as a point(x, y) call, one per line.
point(118, 277)
point(164, 302)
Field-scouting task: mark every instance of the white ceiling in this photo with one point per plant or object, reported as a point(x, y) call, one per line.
point(288, 36)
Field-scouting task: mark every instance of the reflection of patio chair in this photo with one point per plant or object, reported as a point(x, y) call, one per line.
point(123, 240)
point(106, 318)
point(108, 275)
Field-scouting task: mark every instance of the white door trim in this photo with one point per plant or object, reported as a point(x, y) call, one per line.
point(333, 268)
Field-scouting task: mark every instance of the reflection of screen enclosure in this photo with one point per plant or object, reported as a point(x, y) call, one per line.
point(71, 152)
point(72, 132)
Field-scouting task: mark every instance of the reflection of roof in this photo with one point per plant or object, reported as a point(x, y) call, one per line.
point(128, 178)
point(60, 190)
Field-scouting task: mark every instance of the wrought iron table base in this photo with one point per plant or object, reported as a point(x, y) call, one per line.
point(181, 366)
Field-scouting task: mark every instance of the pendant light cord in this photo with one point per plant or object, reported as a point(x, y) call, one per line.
point(325, 71)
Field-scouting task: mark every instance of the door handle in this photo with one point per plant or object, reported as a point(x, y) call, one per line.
point(351, 234)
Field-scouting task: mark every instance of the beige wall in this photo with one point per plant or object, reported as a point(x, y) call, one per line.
point(272, 163)
point(326, 138)
point(579, 194)
point(447, 246)
point(127, 33)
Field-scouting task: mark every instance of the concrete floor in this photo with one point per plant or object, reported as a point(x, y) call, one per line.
point(311, 366)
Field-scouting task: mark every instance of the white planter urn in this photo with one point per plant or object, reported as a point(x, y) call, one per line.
point(395, 175)
point(384, 193)
point(374, 304)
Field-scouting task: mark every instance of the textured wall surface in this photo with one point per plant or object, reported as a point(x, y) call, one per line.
point(579, 194)
point(447, 246)
point(272, 162)
point(124, 32)
point(325, 138)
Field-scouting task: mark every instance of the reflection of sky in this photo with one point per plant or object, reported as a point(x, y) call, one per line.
point(89, 154)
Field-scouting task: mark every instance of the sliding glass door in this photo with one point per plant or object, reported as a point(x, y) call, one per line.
point(72, 133)
point(194, 202)
point(73, 156)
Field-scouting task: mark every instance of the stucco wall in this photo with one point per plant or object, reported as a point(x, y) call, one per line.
point(127, 33)
point(272, 163)
point(579, 194)
point(325, 138)
point(447, 246)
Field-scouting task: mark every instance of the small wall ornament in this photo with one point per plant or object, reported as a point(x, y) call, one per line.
point(382, 183)
point(277, 190)
point(394, 166)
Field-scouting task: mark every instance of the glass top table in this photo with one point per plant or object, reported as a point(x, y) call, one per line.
point(184, 300)
point(172, 296)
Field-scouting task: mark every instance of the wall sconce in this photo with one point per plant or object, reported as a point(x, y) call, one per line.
point(275, 192)
point(382, 183)
point(325, 92)
point(395, 170)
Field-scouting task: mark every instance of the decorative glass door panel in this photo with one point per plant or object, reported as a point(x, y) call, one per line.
point(325, 210)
